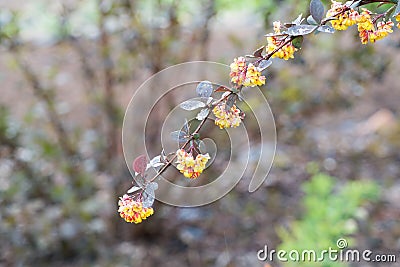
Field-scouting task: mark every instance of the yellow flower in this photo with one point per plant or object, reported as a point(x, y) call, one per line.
point(253, 77)
point(364, 35)
point(226, 119)
point(286, 52)
point(344, 16)
point(132, 210)
point(238, 70)
point(190, 167)
point(273, 42)
point(367, 31)
point(383, 30)
point(241, 74)
point(364, 20)
point(397, 17)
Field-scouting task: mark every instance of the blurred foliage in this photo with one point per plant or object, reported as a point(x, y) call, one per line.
point(329, 214)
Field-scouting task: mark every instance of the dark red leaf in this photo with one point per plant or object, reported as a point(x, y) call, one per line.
point(222, 89)
point(140, 164)
point(258, 52)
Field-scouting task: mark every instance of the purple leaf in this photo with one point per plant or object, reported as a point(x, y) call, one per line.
point(140, 164)
point(258, 52)
point(317, 10)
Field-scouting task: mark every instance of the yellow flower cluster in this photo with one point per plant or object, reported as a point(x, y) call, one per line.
point(273, 42)
point(253, 77)
point(190, 167)
point(367, 31)
point(347, 17)
point(286, 52)
point(398, 20)
point(226, 119)
point(238, 70)
point(132, 211)
point(246, 75)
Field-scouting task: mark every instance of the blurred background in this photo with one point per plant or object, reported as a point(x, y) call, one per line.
point(68, 69)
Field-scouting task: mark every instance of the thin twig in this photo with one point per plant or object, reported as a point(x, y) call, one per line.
point(288, 39)
point(42, 93)
point(109, 105)
point(191, 137)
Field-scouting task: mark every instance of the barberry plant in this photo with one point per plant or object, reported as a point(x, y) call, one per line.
point(249, 71)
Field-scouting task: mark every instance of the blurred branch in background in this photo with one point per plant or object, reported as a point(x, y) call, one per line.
point(46, 95)
point(69, 172)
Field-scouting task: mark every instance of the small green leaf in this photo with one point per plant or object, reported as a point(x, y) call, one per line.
point(297, 42)
point(196, 136)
